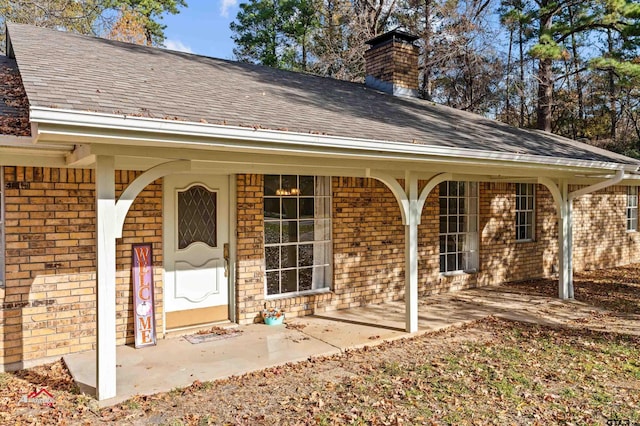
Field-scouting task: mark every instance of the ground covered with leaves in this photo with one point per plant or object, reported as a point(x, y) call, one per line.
point(615, 289)
point(492, 371)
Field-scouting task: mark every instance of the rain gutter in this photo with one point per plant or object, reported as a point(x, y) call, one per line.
point(80, 123)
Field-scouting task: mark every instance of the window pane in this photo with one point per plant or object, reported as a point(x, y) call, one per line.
point(197, 215)
point(321, 277)
point(290, 208)
point(272, 208)
point(453, 205)
point(443, 206)
point(289, 280)
point(288, 256)
point(273, 282)
point(306, 185)
point(272, 257)
point(306, 230)
point(462, 224)
point(324, 210)
point(305, 255)
point(305, 279)
point(271, 232)
point(472, 191)
point(451, 262)
point(323, 185)
point(443, 189)
point(451, 244)
point(321, 254)
point(289, 231)
point(289, 183)
point(306, 208)
point(453, 224)
point(271, 184)
point(322, 230)
point(473, 224)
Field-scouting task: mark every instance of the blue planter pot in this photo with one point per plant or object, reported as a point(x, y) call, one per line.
point(274, 320)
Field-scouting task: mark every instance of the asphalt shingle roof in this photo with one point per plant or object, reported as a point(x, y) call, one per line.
point(70, 71)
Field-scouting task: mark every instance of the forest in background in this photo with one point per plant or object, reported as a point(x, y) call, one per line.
point(571, 67)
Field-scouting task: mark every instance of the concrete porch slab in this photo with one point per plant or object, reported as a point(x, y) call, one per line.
point(174, 362)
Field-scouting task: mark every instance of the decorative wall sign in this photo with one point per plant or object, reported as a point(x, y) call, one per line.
point(144, 308)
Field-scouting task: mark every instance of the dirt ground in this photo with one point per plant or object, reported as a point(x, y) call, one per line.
point(492, 371)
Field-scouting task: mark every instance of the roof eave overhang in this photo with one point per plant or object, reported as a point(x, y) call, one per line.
point(85, 127)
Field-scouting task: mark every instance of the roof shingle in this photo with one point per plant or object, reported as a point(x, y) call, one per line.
point(70, 71)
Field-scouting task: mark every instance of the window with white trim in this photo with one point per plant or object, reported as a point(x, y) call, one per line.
point(2, 280)
point(297, 233)
point(458, 226)
point(525, 211)
point(632, 208)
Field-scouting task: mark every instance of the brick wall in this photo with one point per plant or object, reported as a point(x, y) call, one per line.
point(502, 258)
point(600, 237)
point(368, 244)
point(48, 305)
point(394, 62)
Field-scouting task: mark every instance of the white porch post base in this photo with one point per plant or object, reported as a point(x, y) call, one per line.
point(106, 278)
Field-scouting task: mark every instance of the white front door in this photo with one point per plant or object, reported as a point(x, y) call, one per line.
point(196, 232)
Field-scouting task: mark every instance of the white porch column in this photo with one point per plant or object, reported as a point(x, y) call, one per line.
point(411, 254)
point(565, 246)
point(106, 278)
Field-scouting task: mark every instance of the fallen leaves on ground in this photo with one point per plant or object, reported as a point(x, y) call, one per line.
point(492, 371)
point(219, 331)
point(615, 289)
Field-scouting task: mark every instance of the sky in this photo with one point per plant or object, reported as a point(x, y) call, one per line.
point(202, 28)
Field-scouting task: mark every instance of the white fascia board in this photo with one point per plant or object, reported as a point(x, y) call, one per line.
point(241, 138)
point(28, 142)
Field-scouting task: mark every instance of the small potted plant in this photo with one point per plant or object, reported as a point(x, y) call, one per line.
point(273, 316)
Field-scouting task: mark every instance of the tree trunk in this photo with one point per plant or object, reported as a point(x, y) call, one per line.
point(522, 86)
point(613, 113)
point(508, 83)
point(545, 81)
point(578, 77)
point(426, 36)
point(545, 94)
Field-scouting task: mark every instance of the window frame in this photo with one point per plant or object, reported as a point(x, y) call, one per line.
point(529, 196)
point(632, 209)
point(322, 247)
point(471, 236)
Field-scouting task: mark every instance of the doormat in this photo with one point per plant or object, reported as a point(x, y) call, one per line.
point(211, 334)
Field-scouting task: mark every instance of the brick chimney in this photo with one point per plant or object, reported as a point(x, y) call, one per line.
point(392, 63)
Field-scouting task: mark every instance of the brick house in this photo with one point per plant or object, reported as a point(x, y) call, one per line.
point(259, 187)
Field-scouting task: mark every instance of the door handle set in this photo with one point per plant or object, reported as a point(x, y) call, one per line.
point(225, 254)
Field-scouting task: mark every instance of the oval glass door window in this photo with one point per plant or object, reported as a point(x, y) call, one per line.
point(197, 217)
